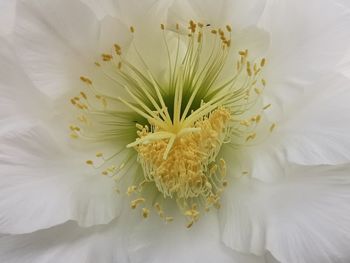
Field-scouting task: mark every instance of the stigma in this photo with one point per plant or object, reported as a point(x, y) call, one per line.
point(172, 132)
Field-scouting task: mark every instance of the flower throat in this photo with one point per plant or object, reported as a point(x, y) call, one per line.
point(170, 132)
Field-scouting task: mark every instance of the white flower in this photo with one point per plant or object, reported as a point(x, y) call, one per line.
point(228, 117)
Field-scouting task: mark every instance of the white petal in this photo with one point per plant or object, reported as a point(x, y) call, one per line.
point(113, 31)
point(102, 8)
point(66, 243)
point(304, 217)
point(157, 242)
point(139, 13)
point(308, 39)
point(56, 42)
point(316, 129)
point(15, 87)
point(7, 16)
point(239, 13)
point(42, 184)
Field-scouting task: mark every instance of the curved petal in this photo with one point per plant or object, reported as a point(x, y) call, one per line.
point(308, 39)
point(66, 243)
point(156, 242)
point(7, 16)
point(139, 13)
point(304, 217)
point(316, 128)
point(16, 88)
point(238, 13)
point(102, 8)
point(54, 46)
point(42, 185)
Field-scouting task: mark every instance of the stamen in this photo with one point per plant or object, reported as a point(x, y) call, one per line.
point(173, 132)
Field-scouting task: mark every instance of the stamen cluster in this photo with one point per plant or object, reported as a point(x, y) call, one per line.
point(173, 130)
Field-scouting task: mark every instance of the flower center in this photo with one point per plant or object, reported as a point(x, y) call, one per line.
point(173, 129)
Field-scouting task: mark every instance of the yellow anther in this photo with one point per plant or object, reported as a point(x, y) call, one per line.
point(132, 29)
point(85, 80)
point(214, 32)
point(89, 162)
point(137, 202)
point(157, 206)
point(272, 127)
point(74, 128)
point(257, 91)
point(106, 57)
point(267, 106)
point(162, 26)
point(257, 118)
point(131, 189)
point(99, 154)
point(145, 212)
point(228, 28)
point(83, 95)
point(117, 47)
point(263, 82)
point(190, 224)
point(263, 62)
point(251, 137)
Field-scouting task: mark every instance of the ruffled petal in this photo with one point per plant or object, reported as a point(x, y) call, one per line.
point(304, 217)
point(42, 184)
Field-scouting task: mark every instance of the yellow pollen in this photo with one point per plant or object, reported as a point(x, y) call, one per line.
point(184, 171)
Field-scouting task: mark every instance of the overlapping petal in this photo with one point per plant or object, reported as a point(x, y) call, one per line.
point(303, 217)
